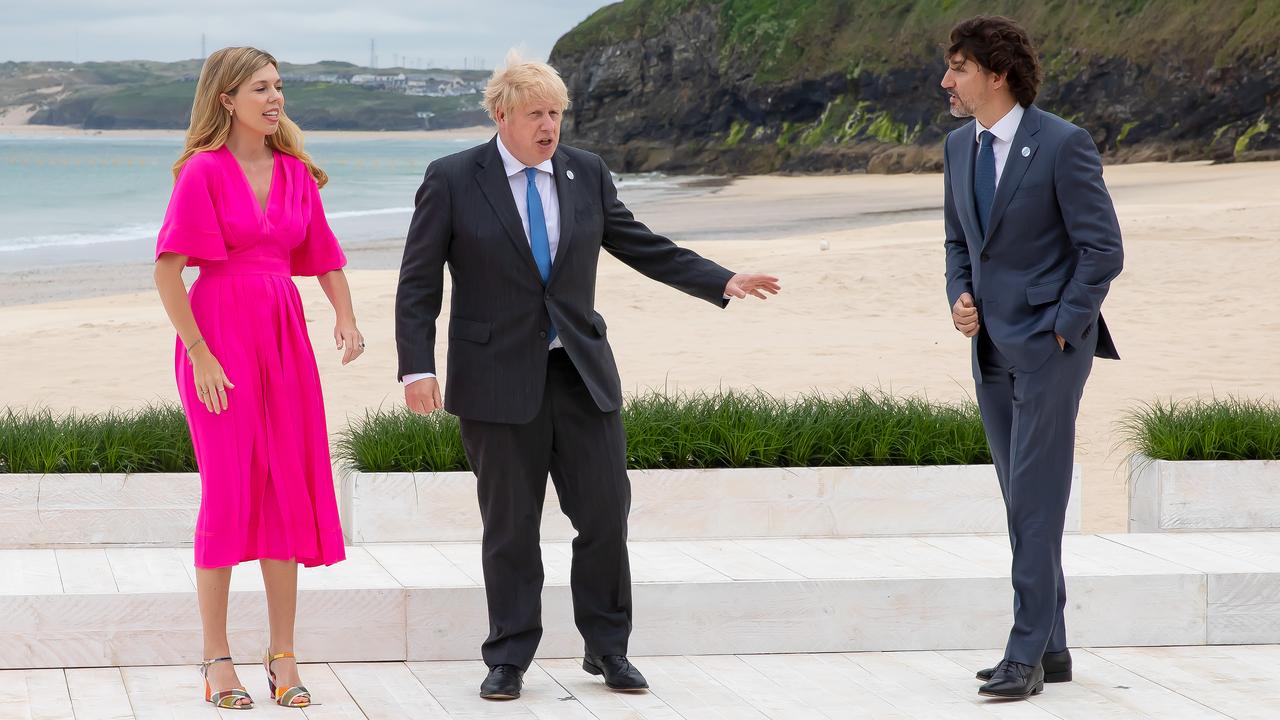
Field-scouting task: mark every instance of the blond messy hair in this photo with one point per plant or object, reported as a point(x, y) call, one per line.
point(521, 81)
point(223, 72)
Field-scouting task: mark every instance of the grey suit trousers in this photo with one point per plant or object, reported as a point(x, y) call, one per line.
point(1030, 420)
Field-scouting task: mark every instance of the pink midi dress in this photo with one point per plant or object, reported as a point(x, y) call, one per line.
point(266, 479)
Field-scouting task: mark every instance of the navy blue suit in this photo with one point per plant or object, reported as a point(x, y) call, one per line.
point(1042, 268)
point(526, 412)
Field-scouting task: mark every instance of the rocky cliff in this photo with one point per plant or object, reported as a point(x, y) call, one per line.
point(751, 86)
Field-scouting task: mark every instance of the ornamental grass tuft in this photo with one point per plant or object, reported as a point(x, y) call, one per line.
point(1205, 429)
point(150, 439)
point(723, 429)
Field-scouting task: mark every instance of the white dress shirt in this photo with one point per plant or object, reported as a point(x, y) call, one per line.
point(546, 184)
point(1004, 130)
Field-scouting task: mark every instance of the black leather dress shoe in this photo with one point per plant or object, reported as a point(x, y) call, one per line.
point(1014, 680)
point(503, 683)
point(618, 672)
point(1057, 668)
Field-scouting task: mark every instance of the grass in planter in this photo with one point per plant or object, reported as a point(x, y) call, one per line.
point(715, 430)
point(400, 441)
point(1231, 429)
point(150, 439)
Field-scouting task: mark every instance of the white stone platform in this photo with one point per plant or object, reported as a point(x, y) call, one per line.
point(136, 606)
point(1168, 683)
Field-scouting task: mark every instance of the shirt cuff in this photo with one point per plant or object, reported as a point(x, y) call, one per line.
point(412, 378)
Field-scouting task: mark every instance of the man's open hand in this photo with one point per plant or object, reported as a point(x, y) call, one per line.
point(744, 284)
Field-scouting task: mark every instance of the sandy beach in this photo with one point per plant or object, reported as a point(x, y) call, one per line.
point(1193, 313)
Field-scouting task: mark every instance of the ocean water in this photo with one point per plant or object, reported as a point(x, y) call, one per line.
point(100, 199)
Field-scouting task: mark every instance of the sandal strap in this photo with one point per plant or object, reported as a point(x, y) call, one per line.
point(286, 696)
point(271, 658)
point(222, 697)
point(204, 664)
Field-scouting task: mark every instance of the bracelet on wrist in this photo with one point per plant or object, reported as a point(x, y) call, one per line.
point(193, 345)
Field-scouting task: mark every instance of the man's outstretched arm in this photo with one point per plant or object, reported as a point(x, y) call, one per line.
point(656, 257)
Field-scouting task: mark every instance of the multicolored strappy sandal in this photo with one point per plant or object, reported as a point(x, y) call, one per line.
point(296, 697)
point(225, 699)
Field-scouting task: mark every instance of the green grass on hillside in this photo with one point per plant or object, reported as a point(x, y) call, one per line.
point(790, 40)
point(147, 94)
point(323, 105)
point(156, 104)
point(622, 21)
point(353, 100)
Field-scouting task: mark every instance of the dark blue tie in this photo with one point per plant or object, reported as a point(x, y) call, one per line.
point(538, 241)
point(984, 179)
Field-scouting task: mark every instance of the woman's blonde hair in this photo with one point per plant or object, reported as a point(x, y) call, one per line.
point(521, 81)
point(223, 72)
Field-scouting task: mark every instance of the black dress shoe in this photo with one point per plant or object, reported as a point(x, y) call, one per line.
point(503, 683)
point(618, 672)
point(1014, 680)
point(1057, 668)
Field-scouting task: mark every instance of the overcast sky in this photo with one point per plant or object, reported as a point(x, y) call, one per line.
point(439, 33)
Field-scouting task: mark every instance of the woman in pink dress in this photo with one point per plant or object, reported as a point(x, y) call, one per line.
point(246, 210)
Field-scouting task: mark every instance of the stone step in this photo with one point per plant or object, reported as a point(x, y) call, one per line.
point(137, 606)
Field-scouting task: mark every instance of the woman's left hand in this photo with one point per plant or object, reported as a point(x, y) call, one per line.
point(349, 340)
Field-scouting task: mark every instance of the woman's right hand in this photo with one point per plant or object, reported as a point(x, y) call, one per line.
point(211, 382)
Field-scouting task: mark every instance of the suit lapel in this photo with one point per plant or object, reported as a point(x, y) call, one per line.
point(1015, 166)
point(565, 195)
point(492, 178)
point(963, 177)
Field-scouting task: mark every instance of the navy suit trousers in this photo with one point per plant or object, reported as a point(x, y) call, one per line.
point(1030, 420)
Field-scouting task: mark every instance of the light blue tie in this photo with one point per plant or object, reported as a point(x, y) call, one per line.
point(538, 241)
point(984, 179)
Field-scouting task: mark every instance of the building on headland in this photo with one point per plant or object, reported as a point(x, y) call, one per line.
point(394, 83)
point(331, 78)
point(436, 86)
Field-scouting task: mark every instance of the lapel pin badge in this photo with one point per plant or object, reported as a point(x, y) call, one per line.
point(568, 174)
point(1026, 152)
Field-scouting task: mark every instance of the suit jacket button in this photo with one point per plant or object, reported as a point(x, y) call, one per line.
point(1087, 329)
point(985, 257)
point(542, 334)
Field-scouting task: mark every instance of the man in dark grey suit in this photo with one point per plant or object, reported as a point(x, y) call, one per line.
point(520, 221)
point(1032, 246)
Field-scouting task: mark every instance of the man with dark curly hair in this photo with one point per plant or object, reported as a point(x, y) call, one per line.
point(1032, 246)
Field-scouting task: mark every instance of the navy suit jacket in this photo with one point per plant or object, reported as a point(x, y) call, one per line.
point(501, 311)
point(1052, 245)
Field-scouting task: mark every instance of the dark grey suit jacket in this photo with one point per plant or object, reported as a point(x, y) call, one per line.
point(500, 311)
point(1052, 247)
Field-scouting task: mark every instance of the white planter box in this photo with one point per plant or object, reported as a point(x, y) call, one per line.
point(1203, 495)
point(93, 509)
point(691, 504)
point(160, 509)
